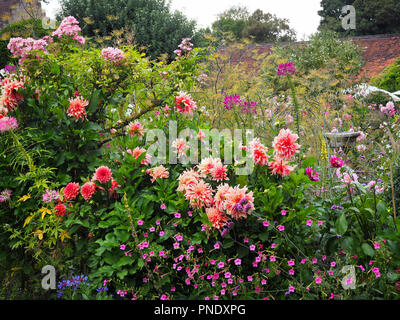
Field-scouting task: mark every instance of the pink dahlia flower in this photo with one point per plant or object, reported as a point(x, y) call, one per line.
point(103, 174)
point(180, 145)
point(285, 146)
point(259, 152)
point(137, 152)
point(219, 172)
point(135, 129)
point(159, 172)
point(187, 178)
point(10, 98)
point(216, 217)
point(200, 194)
point(220, 196)
point(336, 162)
point(71, 191)
point(77, 108)
point(239, 203)
point(280, 167)
point(184, 103)
point(88, 190)
point(207, 164)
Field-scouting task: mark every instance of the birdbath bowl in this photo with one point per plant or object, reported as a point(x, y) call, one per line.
point(344, 140)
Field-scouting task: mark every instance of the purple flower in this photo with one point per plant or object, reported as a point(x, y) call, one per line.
point(286, 69)
point(9, 68)
point(236, 100)
point(231, 101)
point(250, 106)
point(50, 196)
point(5, 195)
point(312, 174)
point(7, 124)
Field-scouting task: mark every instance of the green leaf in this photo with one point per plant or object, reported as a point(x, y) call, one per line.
point(263, 236)
point(309, 162)
point(121, 274)
point(122, 235)
point(381, 208)
point(125, 260)
point(94, 101)
point(228, 243)
point(368, 249)
point(341, 225)
point(55, 68)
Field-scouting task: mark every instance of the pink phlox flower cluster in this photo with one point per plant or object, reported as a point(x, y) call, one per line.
point(389, 109)
point(184, 48)
point(21, 48)
point(114, 55)
point(69, 27)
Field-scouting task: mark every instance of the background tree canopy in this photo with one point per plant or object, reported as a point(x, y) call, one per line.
point(372, 16)
point(259, 26)
point(154, 25)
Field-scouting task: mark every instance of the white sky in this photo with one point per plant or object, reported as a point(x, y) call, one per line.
point(302, 14)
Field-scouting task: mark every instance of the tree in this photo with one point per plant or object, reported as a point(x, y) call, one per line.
point(266, 27)
point(154, 25)
point(372, 16)
point(259, 26)
point(231, 21)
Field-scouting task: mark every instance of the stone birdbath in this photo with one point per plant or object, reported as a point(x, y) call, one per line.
point(345, 140)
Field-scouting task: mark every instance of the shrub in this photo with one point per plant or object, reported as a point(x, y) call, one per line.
point(23, 28)
point(389, 79)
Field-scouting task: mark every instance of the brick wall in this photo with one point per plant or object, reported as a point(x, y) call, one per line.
point(379, 51)
point(14, 10)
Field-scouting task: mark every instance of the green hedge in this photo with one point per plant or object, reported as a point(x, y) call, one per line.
point(5, 56)
point(378, 98)
point(389, 79)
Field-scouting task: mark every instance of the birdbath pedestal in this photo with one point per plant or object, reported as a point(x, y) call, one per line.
point(342, 140)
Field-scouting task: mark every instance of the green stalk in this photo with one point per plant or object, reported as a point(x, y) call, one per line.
point(19, 146)
point(296, 105)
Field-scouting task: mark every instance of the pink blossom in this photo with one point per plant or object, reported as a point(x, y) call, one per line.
point(113, 55)
point(238, 262)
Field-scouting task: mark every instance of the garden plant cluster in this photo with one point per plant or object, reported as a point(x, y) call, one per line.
point(81, 191)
